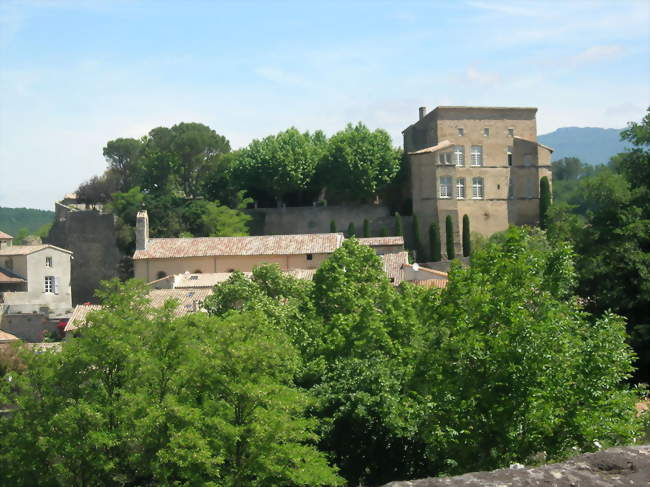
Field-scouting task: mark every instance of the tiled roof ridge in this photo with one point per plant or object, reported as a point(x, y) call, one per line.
point(29, 249)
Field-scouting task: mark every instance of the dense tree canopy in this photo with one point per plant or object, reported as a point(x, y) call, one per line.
point(500, 366)
point(608, 222)
point(358, 162)
point(144, 398)
point(281, 164)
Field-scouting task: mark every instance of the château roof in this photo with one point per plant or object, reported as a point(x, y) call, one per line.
point(442, 145)
point(166, 248)
point(534, 142)
point(4, 236)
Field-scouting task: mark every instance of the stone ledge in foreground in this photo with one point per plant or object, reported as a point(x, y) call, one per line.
point(611, 467)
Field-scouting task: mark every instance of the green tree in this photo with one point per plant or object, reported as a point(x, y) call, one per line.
point(434, 242)
point(399, 230)
point(467, 243)
point(281, 164)
point(567, 169)
point(366, 228)
point(544, 201)
point(357, 163)
point(449, 237)
point(532, 371)
point(352, 232)
point(332, 226)
point(221, 221)
point(123, 155)
point(384, 232)
point(195, 147)
point(417, 242)
point(608, 223)
point(144, 398)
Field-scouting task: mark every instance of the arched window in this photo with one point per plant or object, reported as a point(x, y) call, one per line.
point(161, 274)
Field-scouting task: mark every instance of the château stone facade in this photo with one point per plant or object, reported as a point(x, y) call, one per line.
point(484, 162)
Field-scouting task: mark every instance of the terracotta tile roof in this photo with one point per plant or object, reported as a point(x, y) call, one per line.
point(211, 279)
point(29, 249)
point(9, 277)
point(393, 264)
point(79, 314)
point(442, 145)
point(190, 299)
point(315, 243)
point(4, 236)
point(379, 241)
point(6, 337)
point(439, 283)
point(306, 274)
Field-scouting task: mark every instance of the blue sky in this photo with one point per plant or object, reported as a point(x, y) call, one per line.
point(75, 74)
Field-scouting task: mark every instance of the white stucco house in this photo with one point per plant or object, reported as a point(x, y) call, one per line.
point(34, 278)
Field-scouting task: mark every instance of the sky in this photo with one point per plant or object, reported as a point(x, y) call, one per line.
point(76, 74)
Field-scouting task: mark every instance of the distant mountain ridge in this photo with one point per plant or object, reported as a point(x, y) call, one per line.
point(13, 219)
point(591, 145)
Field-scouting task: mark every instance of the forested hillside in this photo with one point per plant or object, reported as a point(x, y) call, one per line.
point(12, 220)
point(591, 145)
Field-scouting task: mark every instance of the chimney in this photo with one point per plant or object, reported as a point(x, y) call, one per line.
point(423, 112)
point(141, 230)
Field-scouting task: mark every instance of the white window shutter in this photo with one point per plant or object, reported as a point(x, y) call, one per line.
point(56, 285)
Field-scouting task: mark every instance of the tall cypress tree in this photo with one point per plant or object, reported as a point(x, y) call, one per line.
point(384, 232)
point(366, 228)
point(332, 226)
point(434, 242)
point(417, 243)
point(467, 244)
point(449, 236)
point(398, 225)
point(544, 201)
point(352, 232)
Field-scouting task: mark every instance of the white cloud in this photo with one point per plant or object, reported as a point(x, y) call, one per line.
point(596, 54)
point(279, 76)
point(519, 9)
point(484, 78)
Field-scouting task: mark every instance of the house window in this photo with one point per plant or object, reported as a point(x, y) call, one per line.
point(49, 284)
point(509, 152)
point(459, 155)
point(511, 189)
point(444, 157)
point(461, 131)
point(460, 188)
point(477, 155)
point(9, 264)
point(445, 187)
point(529, 188)
point(310, 257)
point(528, 159)
point(48, 261)
point(511, 132)
point(477, 188)
point(486, 132)
point(194, 278)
